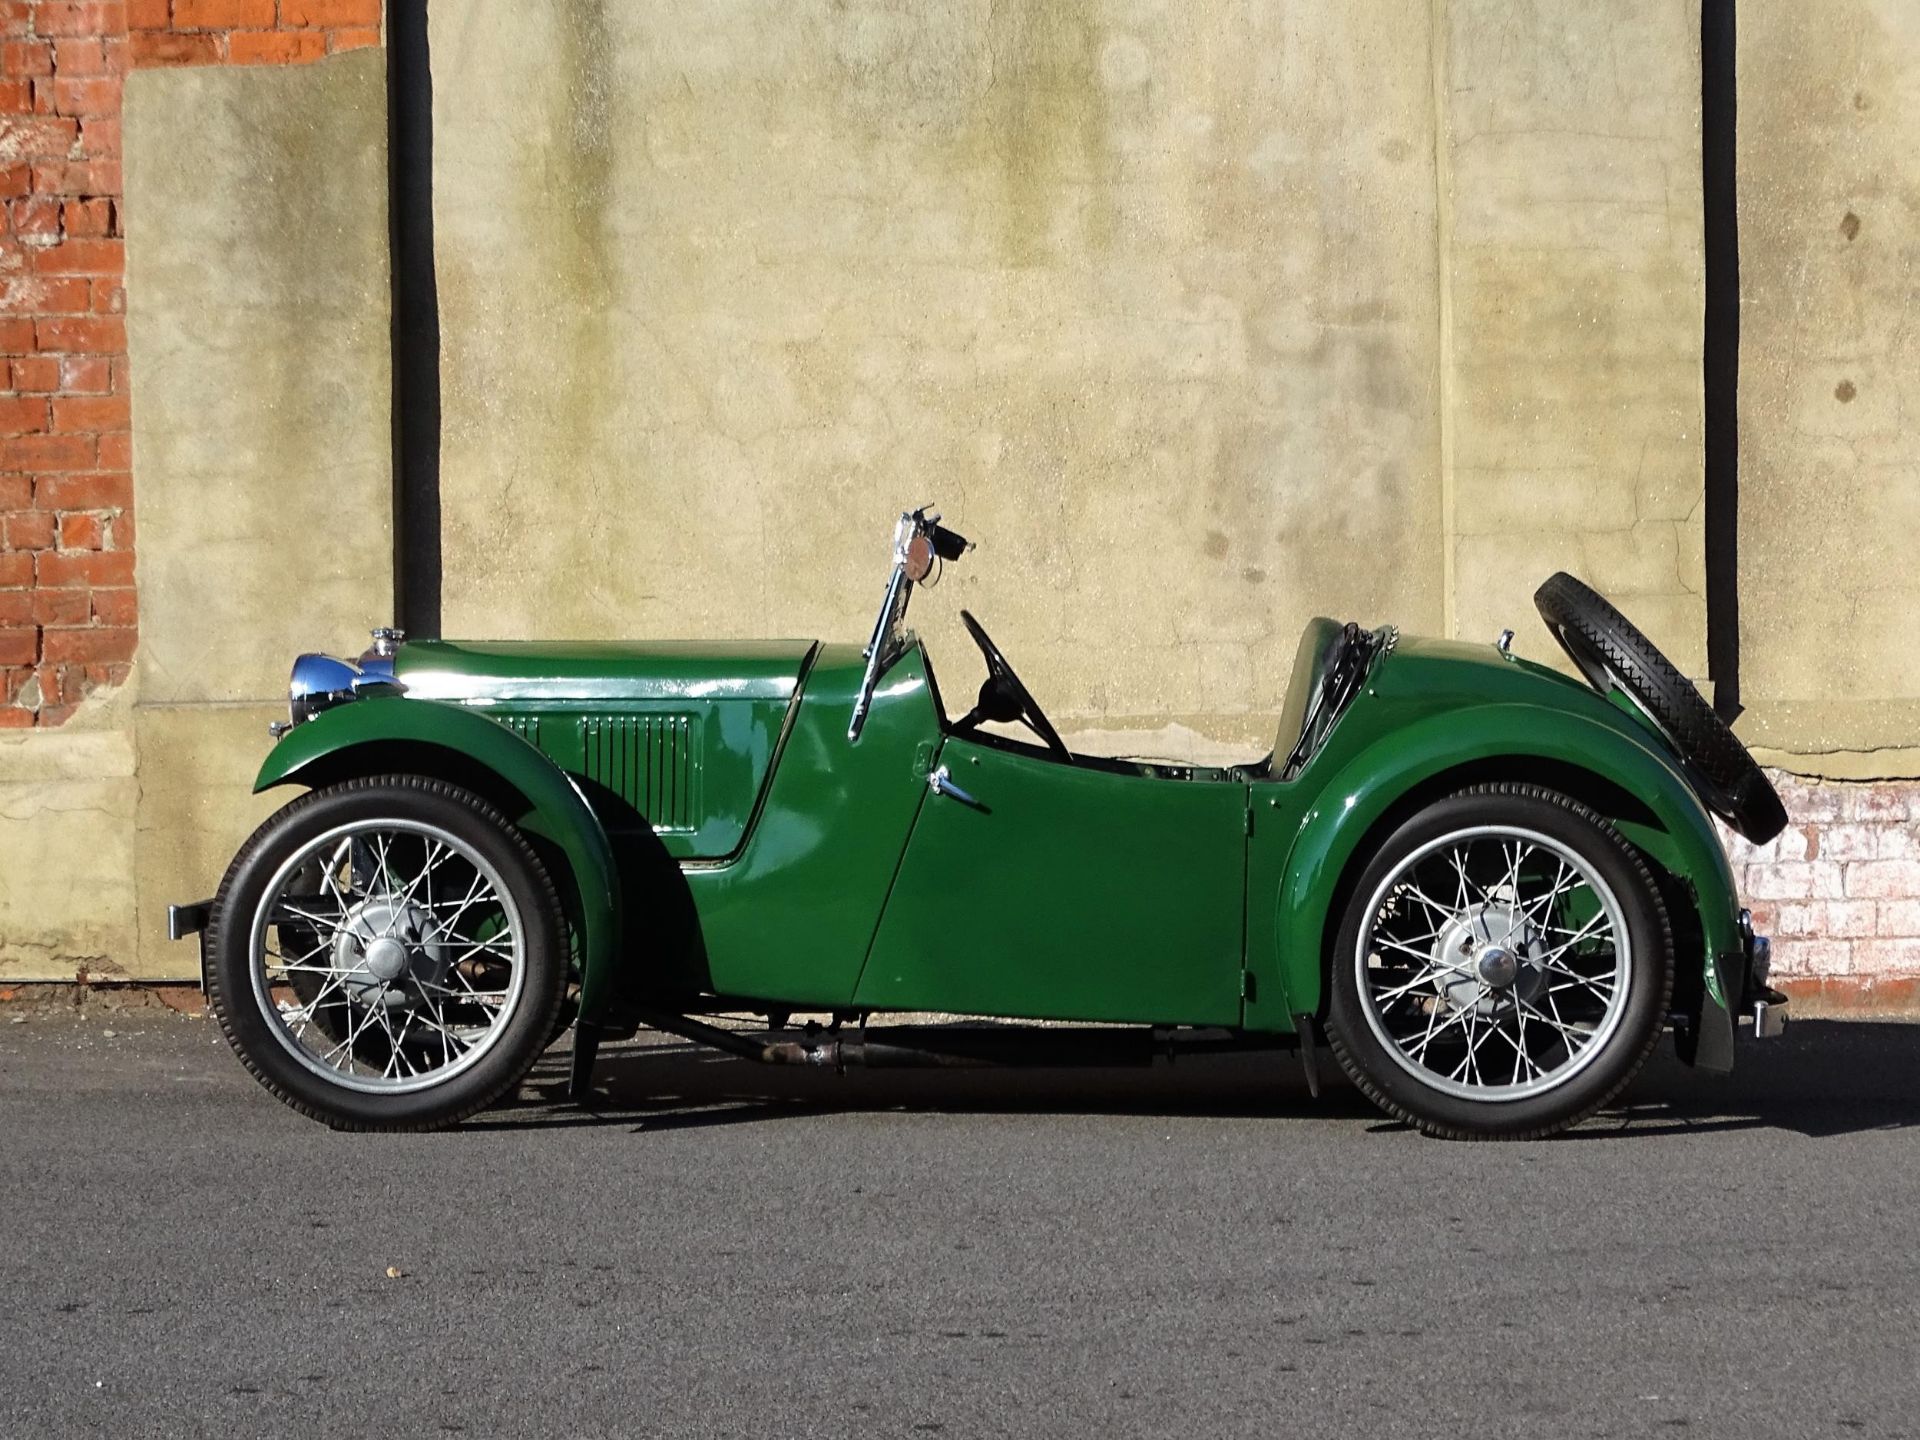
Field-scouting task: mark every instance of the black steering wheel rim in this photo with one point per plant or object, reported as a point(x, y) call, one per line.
point(1031, 714)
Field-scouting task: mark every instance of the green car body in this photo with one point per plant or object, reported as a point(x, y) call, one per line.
point(719, 841)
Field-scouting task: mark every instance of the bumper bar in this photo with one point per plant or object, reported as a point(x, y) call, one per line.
point(1760, 1005)
point(191, 919)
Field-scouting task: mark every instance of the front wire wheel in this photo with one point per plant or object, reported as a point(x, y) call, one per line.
point(1504, 968)
point(386, 954)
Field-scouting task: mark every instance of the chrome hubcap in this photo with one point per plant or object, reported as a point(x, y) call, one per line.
point(388, 955)
point(1494, 964)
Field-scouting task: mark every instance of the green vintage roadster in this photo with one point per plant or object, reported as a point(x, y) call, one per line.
point(1486, 887)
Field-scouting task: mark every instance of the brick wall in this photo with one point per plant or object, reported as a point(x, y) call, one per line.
point(68, 612)
point(1839, 890)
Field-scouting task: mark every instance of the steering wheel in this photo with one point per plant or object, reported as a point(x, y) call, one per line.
point(1003, 697)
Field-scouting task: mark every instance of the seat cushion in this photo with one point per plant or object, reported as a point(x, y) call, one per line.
point(1319, 645)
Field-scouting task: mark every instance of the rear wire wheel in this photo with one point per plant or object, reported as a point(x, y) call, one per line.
point(1504, 967)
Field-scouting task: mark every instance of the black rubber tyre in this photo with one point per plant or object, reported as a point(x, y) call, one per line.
point(1611, 651)
point(527, 1029)
point(1393, 1086)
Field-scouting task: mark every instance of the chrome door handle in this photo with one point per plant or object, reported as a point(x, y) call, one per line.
point(941, 783)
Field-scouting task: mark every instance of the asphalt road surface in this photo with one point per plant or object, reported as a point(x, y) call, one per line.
point(724, 1250)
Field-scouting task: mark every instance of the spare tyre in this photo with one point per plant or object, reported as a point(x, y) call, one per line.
point(1613, 655)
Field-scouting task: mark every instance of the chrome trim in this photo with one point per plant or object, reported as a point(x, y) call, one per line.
point(893, 609)
point(185, 920)
point(1769, 1019)
point(320, 682)
point(1505, 643)
point(941, 783)
point(386, 640)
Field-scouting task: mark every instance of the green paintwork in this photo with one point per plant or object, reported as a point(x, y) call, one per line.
point(581, 671)
point(1429, 708)
point(390, 735)
point(781, 865)
point(1066, 894)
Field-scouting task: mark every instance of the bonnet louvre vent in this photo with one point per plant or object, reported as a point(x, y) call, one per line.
point(647, 760)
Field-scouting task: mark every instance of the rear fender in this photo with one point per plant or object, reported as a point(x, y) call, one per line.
point(464, 747)
point(1355, 810)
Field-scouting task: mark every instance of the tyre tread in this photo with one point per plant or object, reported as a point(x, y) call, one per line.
point(218, 1002)
point(1357, 1072)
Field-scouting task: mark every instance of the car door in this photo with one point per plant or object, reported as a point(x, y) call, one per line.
point(1045, 890)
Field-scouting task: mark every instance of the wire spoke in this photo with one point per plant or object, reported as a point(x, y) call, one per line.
point(407, 923)
point(1503, 956)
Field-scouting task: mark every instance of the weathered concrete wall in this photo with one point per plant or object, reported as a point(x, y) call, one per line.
point(257, 244)
point(1830, 381)
point(1573, 254)
point(1145, 295)
point(67, 801)
point(1193, 343)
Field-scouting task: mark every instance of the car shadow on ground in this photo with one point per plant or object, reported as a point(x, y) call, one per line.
point(1822, 1078)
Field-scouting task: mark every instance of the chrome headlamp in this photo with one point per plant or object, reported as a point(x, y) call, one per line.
point(319, 682)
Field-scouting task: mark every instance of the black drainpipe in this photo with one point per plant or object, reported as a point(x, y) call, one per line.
point(416, 321)
point(1721, 362)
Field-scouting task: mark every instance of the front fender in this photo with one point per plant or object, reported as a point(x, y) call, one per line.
point(392, 735)
point(1670, 826)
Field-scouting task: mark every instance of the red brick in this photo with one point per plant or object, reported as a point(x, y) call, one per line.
point(77, 58)
point(48, 452)
point(77, 177)
point(87, 218)
point(86, 567)
point(81, 531)
point(16, 180)
point(222, 14)
point(78, 17)
point(85, 335)
point(109, 297)
point(16, 336)
point(275, 47)
point(357, 39)
point(100, 136)
point(16, 569)
point(16, 97)
point(83, 257)
point(16, 492)
point(1884, 879)
point(95, 95)
point(19, 647)
point(44, 137)
point(55, 295)
point(116, 451)
point(330, 12)
point(90, 412)
point(147, 14)
point(22, 414)
point(63, 607)
point(13, 719)
point(26, 57)
point(157, 48)
point(36, 215)
point(96, 644)
point(85, 374)
point(16, 16)
point(36, 372)
point(16, 608)
point(30, 530)
point(120, 530)
point(115, 607)
point(98, 490)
